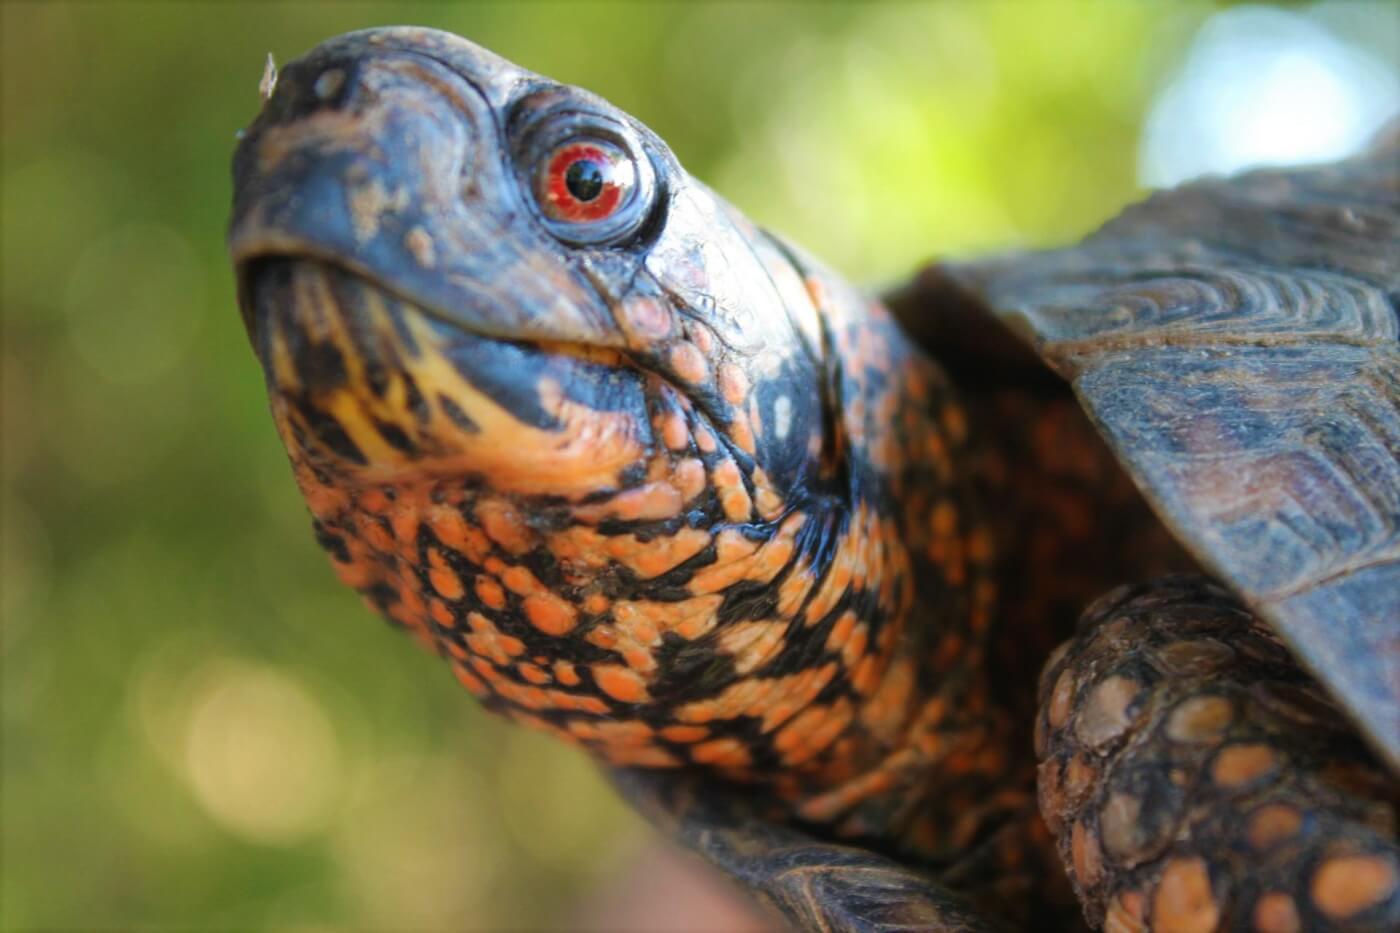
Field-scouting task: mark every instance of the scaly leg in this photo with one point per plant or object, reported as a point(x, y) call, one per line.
point(813, 884)
point(1196, 778)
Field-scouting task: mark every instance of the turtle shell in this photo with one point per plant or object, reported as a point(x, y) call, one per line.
point(1235, 341)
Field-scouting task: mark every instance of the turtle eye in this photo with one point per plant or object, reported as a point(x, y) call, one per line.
point(584, 181)
point(587, 174)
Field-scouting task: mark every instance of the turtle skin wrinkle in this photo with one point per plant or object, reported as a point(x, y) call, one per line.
point(652, 480)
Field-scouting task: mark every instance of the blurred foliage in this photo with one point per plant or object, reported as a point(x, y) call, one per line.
point(202, 730)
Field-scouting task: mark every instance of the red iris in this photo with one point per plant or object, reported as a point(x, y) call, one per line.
point(585, 181)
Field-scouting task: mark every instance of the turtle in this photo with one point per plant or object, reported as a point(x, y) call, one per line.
point(786, 558)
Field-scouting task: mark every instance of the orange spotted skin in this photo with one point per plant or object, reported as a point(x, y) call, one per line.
point(676, 606)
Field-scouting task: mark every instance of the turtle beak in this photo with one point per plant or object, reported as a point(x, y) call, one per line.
point(388, 164)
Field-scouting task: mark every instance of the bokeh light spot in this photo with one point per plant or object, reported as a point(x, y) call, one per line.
point(1265, 87)
point(415, 852)
point(261, 756)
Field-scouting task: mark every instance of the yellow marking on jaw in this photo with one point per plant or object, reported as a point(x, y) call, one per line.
point(284, 373)
point(586, 454)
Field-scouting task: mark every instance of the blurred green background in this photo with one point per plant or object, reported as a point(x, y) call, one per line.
point(201, 728)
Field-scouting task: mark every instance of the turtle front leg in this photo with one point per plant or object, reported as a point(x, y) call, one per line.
point(811, 883)
point(1196, 779)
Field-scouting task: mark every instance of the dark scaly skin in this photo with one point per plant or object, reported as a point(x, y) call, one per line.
point(813, 883)
point(682, 498)
point(1197, 780)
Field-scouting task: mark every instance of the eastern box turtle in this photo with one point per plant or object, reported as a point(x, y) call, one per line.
point(654, 481)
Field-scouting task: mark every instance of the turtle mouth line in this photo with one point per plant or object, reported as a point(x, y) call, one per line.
point(452, 326)
point(373, 344)
point(261, 298)
point(250, 264)
point(373, 390)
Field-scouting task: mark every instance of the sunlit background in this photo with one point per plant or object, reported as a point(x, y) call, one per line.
point(201, 729)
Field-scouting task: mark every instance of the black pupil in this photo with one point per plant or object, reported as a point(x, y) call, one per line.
point(584, 179)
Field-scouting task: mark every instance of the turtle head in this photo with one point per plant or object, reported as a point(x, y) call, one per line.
point(452, 267)
point(563, 413)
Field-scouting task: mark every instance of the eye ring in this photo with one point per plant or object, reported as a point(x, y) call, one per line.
point(584, 180)
point(613, 186)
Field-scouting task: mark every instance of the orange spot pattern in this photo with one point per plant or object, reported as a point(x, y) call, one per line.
point(664, 614)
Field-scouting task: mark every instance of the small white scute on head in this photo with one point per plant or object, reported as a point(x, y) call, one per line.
point(782, 416)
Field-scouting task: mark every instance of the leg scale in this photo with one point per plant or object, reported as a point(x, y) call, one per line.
point(1196, 779)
